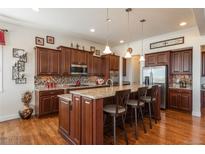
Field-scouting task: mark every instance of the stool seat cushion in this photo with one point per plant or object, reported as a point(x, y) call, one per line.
point(147, 99)
point(133, 102)
point(112, 109)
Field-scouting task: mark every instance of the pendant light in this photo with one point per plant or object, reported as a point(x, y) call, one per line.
point(142, 59)
point(129, 50)
point(107, 48)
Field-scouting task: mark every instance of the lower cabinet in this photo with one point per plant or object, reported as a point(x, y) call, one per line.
point(47, 102)
point(202, 98)
point(180, 99)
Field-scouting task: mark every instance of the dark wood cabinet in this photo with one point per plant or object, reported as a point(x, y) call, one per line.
point(87, 122)
point(114, 63)
point(157, 59)
point(124, 65)
point(65, 60)
point(202, 99)
point(181, 62)
point(90, 63)
point(47, 61)
point(97, 65)
point(47, 102)
point(180, 99)
point(75, 120)
point(64, 117)
point(78, 57)
point(203, 64)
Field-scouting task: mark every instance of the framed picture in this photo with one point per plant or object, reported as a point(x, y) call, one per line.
point(21, 66)
point(18, 52)
point(92, 48)
point(50, 39)
point(21, 81)
point(97, 52)
point(39, 41)
point(15, 74)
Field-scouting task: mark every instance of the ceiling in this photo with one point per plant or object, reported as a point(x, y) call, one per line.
point(77, 22)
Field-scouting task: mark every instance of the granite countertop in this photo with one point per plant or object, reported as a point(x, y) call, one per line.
point(65, 87)
point(177, 86)
point(67, 97)
point(98, 93)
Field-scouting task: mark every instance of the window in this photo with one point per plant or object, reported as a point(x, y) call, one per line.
point(1, 69)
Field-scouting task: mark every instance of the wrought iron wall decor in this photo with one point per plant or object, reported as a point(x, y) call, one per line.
point(19, 66)
point(166, 43)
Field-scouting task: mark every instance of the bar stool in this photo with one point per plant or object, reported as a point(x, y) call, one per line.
point(137, 104)
point(150, 100)
point(118, 109)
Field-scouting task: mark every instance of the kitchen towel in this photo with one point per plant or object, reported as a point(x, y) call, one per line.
point(2, 38)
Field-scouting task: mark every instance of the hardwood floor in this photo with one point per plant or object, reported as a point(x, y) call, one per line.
point(174, 128)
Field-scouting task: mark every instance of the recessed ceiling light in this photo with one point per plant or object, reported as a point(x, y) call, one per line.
point(122, 41)
point(183, 24)
point(35, 9)
point(92, 30)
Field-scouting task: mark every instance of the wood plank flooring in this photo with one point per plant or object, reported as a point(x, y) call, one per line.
point(174, 128)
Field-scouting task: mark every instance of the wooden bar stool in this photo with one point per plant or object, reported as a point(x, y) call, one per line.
point(137, 104)
point(150, 100)
point(118, 109)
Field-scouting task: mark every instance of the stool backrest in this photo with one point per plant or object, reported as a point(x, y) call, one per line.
point(142, 92)
point(121, 99)
point(154, 92)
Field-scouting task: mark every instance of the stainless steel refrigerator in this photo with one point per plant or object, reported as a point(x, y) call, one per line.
point(157, 75)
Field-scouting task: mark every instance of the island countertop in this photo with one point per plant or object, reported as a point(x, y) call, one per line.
point(98, 93)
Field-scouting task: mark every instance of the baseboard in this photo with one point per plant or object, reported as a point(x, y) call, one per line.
point(9, 117)
point(196, 114)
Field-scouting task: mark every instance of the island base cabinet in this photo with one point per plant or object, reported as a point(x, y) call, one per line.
point(92, 121)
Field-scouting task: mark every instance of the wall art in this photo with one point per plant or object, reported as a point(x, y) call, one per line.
point(50, 39)
point(39, 41)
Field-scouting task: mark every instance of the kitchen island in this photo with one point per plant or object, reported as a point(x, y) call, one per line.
point(83, 120)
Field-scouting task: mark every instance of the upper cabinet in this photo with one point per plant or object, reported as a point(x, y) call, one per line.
point(124, 65)
point(181, 62)
point(47, 61)
point(65, 60)
point(97, 66)
point(157, 59)
point(78, 57)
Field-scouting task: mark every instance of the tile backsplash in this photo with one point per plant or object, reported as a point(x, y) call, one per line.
point(174, 79)
point(42, 80)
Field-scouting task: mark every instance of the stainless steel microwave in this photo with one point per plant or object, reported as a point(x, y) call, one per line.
point(79, 69)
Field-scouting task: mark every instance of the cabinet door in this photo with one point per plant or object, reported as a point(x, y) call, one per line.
point(124, 67)
point(203, 64)
point(83, 57)
point(187, 62)
point(163, 58)
point(97, 68)
point(176, 63)
point(202, 99)
point(87, 121)
point(112, 63)
point(54, 62)
point(186, 101)
point(45, 105)
point(174, 99)
point(116, 63)
point(54, 103)
point(42, 62)
point(75, 120)
point(151, 60)
point(65, 61)
point(90, 63)
point(64, 118)
point(75, 57)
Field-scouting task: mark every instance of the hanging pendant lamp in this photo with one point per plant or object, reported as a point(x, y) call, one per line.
point(129, 50)
point(142, 59)
point(107, 48)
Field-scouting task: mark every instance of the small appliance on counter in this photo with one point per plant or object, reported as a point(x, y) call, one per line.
point(182, 84)
point(146, 80)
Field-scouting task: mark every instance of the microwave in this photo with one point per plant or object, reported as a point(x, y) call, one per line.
point(79, 69)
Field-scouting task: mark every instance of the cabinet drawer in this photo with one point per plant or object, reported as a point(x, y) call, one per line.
point(51, 92)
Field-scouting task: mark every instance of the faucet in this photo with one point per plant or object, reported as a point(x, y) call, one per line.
point(111, 84)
